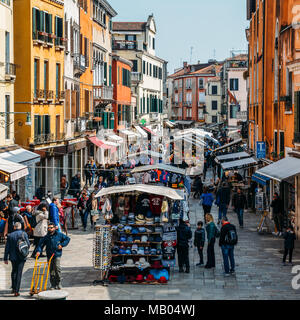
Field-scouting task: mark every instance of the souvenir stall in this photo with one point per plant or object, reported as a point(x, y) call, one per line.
point(142, 221)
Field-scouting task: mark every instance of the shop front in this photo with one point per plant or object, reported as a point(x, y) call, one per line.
point(136, 244)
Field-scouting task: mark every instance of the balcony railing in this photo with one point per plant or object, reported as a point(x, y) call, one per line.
point(60, 136)
point(297, 137)
point(39, 94)
point(79, 63)
point(60, 43)
point(124, 45)
point(49, 94)
point(136, 77)
point(41, 37)
point(44, 138)
point(103, 93)
point(242, 115)
point(60, 96)
point(10, 69)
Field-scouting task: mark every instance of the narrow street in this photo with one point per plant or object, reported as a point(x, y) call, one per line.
point(259, 271)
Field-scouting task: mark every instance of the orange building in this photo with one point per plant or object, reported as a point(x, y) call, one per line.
point(274, 94)
point(121, 70)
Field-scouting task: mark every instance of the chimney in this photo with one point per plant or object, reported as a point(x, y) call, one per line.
point(185, 66)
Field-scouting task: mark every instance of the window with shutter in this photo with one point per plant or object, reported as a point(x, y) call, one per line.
point(67, 35)
point(67, 104)
point(110, 74)
point(87, 58)
point(34, 23)
point(71, 38)
point(105, 73)
point(73, 104)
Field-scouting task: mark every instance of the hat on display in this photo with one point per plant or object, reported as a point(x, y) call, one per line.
point(142, 263)
point(153, 251)
point(158, 229)
point(149, 221)
point(164, 273)
point(154, 273)
point(140, 219)
point(134, 249)
point(121, 278)
point(151, 238)
point(120, 227)
point(137, 239)
point(162, 280)
point(131, 216)
point(128, 229)
point(131, 222)
point(128, 250)
point(158, 239)
point(157, 220)
point(142, 230)
point(147, 250)
point(130, 239)
point(150, 278)
point(158, 251)
point(129, 263)
point(169, 263)
point(123, 238)
point(123, 220)
point(115, 250)
point(122, 250)
point(149, 229)
point(156, 265)
point(141, 251)
point(117, 261)
point(134, 231)
point(139, 278)
point(144, 239)
point(114, 227)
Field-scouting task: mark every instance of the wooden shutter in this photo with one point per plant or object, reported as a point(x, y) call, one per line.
point(73, 104)
point(34, 14)
point(296, 112)
point(80, 43)
point(66, 36)
point(67, 104)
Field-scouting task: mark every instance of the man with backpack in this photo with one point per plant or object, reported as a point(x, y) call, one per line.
point(228, 239)
point(16, 250)
point(14, 216)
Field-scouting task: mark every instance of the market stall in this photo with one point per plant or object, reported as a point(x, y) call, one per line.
point(140, 221)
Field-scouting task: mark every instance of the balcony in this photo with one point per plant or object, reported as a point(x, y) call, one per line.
point(60, 96)
point(43, 38)
point(124, 45)
point(38, 95)
point(242, 115)
point(10, 71)
point(187, 103)
point(288, 107)
point(79, 64)
point(60, 43)
point(103, 93)
point(60, 136)
point(297, 137)
point(44, 138)
point(49, 95)
point(136, 77)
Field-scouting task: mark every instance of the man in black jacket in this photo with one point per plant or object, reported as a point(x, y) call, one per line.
point(16, 259)
point(184, 234)
point(239, 202)
point(228, 239)
point(223, 200)
point(199, 240)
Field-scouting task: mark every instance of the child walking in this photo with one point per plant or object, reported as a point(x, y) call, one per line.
point(289, 244)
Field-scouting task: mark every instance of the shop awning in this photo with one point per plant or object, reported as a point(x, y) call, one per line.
point(3, 191)
point(228, 145)
point(170, 124)
point(103, 144)
point(238, 163)
point(141, 131)
point(149, 131)
point(115, 138)
point(143, 188)
point(184, 122)
point(282, 169)
point(129, 133)
point(260, 179)
point(21, 155)
point(146, 153)
point(14, 170)
point(159, 166)
point(231, 156)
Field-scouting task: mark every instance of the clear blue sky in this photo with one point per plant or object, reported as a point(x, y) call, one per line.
point(212, 27)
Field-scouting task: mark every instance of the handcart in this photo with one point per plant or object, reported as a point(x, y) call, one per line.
point(38, 283)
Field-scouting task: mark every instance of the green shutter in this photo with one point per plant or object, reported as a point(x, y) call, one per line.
point(148, 104)
point(112, 121)
point(105, 73)
point(109, 75)
point(105, 120)
point(34, 23)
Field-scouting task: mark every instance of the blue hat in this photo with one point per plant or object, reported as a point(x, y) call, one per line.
point(128, 251)
point(142, 229)
point(135, 231)
point(123, 238)
point(137, 239)
point(130, 239)
point(153, 251)
point(122, 251)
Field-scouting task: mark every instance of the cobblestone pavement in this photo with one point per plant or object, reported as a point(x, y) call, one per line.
point(259, 271)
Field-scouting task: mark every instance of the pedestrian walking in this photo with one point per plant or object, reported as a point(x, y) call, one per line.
point(40, 230)
point(289, 244)
point(63, 186)
point(75, 185)
point(184, 234)
point(54, 212)
point(54, 242)
point(223, 200)
point(228, 239)
point(92, 210)
point(239, 203)
point(206, 199)
point(212, 233)
point(13, 254)
point(88, 173)
point(82, 204)
point(199, 240)
point(14, 216)
point(198, 187)
point(277, 206)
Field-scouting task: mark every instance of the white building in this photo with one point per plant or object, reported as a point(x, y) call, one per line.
point(213, 101)
point(136, 41)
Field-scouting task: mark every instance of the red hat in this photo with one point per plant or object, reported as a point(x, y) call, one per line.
point(162, 280)
point(139, 278)
point(150, 278)
point(156, 265)
point(113, 278)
